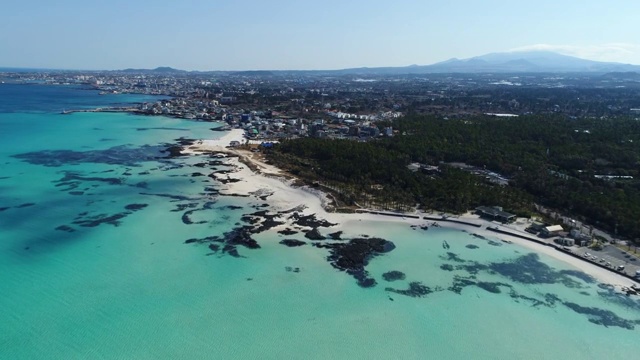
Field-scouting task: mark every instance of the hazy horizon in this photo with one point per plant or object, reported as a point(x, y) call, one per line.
point(303, 35)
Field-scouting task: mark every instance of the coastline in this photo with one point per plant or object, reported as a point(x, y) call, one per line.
point(253, 177)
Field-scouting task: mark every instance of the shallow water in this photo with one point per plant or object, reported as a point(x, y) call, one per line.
point(93, 264)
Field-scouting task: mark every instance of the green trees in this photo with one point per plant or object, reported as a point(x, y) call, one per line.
point(549, 160)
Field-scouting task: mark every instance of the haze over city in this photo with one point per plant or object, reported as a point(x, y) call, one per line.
point(295, 35)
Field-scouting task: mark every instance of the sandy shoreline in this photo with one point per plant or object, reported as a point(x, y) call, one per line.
point(216, 144)
point(282, 196)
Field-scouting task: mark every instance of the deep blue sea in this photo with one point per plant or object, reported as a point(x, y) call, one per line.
point(110, 248)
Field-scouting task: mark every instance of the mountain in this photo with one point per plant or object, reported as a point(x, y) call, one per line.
point(158, 70)
point(508, 62)
point(505, 62)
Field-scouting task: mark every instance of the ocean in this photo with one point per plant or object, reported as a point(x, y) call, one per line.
point(108, 251)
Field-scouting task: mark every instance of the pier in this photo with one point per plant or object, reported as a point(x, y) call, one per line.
point(107, 109)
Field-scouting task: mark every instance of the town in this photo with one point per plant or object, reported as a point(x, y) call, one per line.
point(278, 105)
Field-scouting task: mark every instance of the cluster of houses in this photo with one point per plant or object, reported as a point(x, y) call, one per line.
point(562, 237)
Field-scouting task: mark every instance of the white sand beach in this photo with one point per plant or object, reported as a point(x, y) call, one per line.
point(284, 196)
point(217, 144)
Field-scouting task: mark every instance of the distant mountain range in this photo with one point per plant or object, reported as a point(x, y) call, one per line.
point(506, 62)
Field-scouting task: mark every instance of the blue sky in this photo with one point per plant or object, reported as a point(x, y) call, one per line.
point(288, 34)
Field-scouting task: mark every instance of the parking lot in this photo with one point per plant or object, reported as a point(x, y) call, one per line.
point(610, 256)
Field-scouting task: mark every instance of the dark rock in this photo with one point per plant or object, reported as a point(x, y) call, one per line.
point(447, 267)
point(452, 257)
point(490, 286)
point(236, 195)
point(241, 236)
point(231, 207)
point(292, 242)
point(65, 228)
point(600, 316)
point(287, 232)
point(264, 219)
point(353, 256)
point(314, 234)
point(174, 151)
point(226, 181)
point(230, 240)
point(118, 155)
point(250, 219)
point(528, 269)
point(136, 207)
point(367, 282)
point(336, 235)
point(471, 246)
point(309, 221)
point(460, 283)
point(231, 250)
point(142, 185)
point(393, 275)
point(416, 289)
point(186, 218)
point(96, 220)
point(183, 207)
point(184, 141)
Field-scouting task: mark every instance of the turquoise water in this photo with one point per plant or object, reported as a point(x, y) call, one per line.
point(93, 264)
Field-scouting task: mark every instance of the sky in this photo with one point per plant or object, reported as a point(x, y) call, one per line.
point(306, 34)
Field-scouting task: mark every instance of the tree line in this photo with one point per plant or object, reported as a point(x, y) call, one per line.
point(549, 160)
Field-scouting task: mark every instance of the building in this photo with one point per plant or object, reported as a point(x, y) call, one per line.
point(550, 231)
point(495, 213)
point(414, 167)
point(565, 241)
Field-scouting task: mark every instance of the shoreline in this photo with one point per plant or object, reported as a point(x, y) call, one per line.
point(253, 177)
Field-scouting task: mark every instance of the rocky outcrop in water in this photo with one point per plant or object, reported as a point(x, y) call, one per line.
point(314, 234)
point(292, 242)
point(393, 275)
point(416, 289)
point(353, 256)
